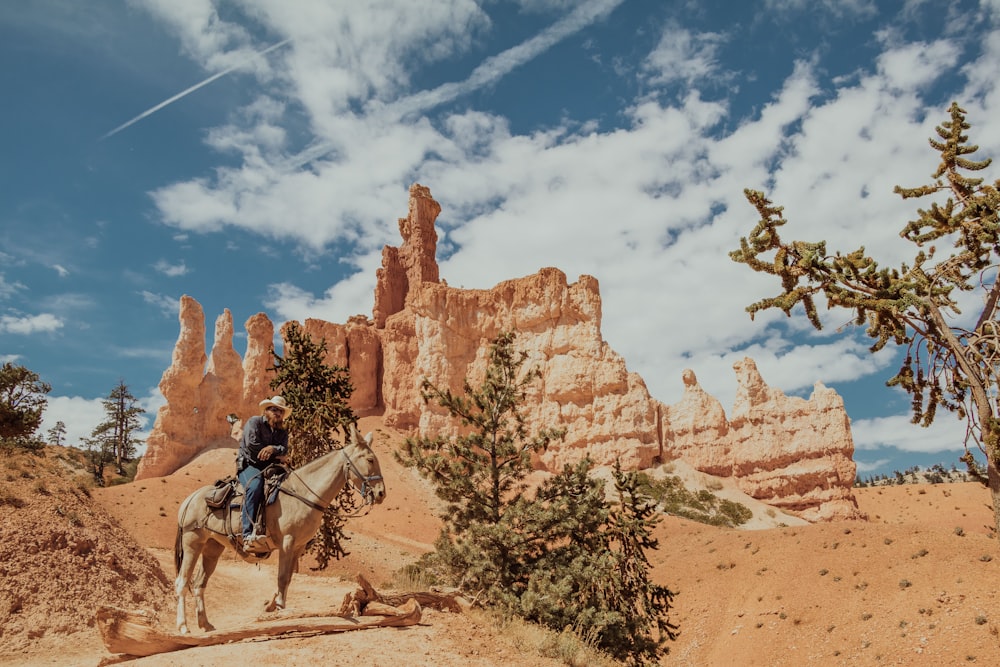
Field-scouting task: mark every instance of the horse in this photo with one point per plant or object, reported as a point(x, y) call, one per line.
point(292, 520)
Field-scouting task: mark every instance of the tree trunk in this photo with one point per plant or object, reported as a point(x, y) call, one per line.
point(993, 477)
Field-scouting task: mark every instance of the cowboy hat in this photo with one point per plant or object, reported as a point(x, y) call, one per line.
point(276, 401)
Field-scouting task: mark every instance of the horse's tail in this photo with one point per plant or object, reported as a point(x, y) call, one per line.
point(178, 552)
point(178, 541)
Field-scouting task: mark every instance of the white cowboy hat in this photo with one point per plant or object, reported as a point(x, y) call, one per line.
point(276, 401)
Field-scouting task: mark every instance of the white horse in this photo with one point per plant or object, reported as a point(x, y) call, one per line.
point(291, 520)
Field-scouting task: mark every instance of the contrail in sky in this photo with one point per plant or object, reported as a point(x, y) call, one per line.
point(152, 110)
point(496, 67)
point(490, 70)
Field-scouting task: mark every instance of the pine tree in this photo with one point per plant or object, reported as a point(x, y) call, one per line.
point(916, 305)
point(57, 433)
point(114, 439)
point(318, 395)
point(555, 557)
point(643, 626)
point(22, 402)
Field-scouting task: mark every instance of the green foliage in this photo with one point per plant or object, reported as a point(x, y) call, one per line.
point(318, 395)
point(641, 605)
point(57, 434)
point(915, 305)
point(22, 402)
point(560, 557)
point(100, 452)
point(703, 506)
point(476, 473)
point(113, 440)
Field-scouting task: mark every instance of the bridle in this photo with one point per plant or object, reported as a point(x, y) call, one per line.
point(367, 495)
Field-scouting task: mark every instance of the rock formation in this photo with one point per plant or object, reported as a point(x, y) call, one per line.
point(792, 453)
point(170, 444)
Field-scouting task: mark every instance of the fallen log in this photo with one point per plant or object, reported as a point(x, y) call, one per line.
point(135, 633)
point(366, 600)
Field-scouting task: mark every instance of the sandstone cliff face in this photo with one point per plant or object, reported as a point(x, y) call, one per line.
point(199, 397)
point(169, 444)
point(789, 452)
point(792, 453)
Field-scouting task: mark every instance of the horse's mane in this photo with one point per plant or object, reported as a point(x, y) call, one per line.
point(321, 460)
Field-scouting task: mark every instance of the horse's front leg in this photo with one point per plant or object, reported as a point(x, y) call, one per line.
point(287, 558)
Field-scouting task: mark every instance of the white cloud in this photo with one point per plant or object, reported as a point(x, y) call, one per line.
point(913, 66)
point(869, 466)
point(168, 305)
point(215, 43)
point(349, 297)
point(683, 57)
point(171, 270)
point(79, 415)
point(8, 289)
point(31, 324)
point(61, 270)
point(946, 434)
point(835, 7)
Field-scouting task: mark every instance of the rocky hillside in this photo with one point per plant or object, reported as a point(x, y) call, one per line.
point(62, 554)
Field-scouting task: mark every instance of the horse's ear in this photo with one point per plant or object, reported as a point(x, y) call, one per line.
point(369, 438)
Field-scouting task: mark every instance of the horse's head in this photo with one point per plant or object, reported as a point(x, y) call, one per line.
point(364, 470)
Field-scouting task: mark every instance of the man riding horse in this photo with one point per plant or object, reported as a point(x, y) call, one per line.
point(265, 441)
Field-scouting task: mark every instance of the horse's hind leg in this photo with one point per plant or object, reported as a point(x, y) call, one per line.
point(190, 554)
point(209, 559)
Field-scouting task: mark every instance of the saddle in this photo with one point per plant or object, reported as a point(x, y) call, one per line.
point(223, 491)
point(227, 495)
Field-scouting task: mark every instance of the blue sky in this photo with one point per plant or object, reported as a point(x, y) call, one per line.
point(257, 155)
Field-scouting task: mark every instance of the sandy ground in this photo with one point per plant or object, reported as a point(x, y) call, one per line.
point(916, 584)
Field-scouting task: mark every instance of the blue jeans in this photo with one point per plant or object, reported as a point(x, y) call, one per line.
point(253, 496)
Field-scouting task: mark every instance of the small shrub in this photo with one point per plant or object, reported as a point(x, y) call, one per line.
point(7, 498)
point(702, 506)
point(981, 619)
point(905, 583)
point(959, 531)
point(920, 554)
point(986, 558)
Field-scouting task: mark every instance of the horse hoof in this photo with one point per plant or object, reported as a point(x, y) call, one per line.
point(208, 627)
point(183, 630)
